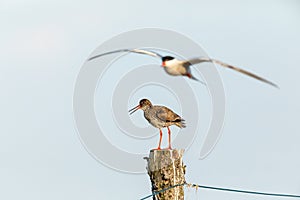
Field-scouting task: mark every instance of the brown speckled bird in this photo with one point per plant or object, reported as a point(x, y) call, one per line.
point(159, 117)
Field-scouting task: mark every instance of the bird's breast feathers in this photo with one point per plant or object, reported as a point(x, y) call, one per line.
point(175, 67)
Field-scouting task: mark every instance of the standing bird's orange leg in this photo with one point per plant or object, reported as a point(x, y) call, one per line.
point(160, 137)
point(169, 139)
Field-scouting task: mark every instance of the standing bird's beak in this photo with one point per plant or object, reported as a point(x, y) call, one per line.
point(132, 110)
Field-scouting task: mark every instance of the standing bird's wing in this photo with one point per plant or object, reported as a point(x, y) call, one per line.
point(201, 60)
point(139, 51)
point(167, 115)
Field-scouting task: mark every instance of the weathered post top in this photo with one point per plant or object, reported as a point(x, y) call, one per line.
point(166, 169)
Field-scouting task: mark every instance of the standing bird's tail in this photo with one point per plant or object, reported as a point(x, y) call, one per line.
point(180, 123)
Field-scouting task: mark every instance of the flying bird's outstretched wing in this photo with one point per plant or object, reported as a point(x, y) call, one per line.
point(139, 51)
point(201, 60)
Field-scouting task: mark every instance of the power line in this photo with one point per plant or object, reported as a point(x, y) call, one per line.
point(247, 192)
point(222, 189)
point(160, 191)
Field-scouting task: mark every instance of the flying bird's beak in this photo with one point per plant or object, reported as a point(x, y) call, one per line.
point(132, 110)
point(163, 64)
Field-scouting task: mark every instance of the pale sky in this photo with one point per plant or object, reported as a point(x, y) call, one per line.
point(44, 45)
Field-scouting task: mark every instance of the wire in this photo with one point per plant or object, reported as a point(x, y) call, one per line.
point(247, 192)
point(223, 189)
point(160, 191)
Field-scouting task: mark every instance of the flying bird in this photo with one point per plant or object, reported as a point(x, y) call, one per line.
point(159, 117)
point(177, 67)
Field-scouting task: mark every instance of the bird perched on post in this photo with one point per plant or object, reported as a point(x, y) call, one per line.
point(159, 117)
point(177, 67)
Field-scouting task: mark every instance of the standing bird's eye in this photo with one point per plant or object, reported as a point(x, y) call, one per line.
point(143, 102)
